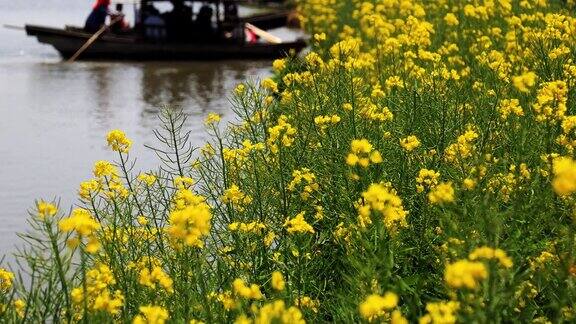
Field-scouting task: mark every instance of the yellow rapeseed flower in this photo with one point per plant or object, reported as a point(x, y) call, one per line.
point(156, 276)
point(212, 118)
point(243, 290)
point(489, 253)
point(276, 312)
point(451, 19)
point(375, 305)
point(81, 222)
point(384, 200)
point(440, 313)
point(269, 84)
point(104, 169)
point(191, 223)
point(362, 153)
point(525, 81)
point(278, 282)
point(410, 143)
point(151, 315)
point(6, 280)
point(564, 182)
point(298, 225)
point(46, 209)
point(118, 141)
point(442, 194)
point(426, 179)
point(465, 274)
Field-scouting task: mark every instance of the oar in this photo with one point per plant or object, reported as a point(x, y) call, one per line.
point(14, 27)
point(264, 34)
point(92, 39)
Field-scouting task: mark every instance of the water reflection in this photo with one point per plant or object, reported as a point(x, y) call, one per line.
point(56, 115)
point(198, 84)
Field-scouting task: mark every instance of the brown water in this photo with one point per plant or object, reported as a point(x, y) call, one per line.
point(54, 116)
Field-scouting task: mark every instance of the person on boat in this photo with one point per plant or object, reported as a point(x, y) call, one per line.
point(178, 20)
point(97, 17)
point(119, 23)
point(154, 24)
point(231, 12)
point(203, 22)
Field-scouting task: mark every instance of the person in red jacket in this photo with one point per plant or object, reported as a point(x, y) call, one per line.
point(97, 17)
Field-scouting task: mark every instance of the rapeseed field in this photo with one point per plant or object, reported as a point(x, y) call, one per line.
point(415, 166)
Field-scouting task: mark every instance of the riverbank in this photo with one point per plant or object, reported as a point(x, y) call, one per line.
point(416, 165)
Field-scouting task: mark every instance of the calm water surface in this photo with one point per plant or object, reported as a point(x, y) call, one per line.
point(54, 116)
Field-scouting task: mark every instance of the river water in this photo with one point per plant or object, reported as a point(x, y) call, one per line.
point(54, 116)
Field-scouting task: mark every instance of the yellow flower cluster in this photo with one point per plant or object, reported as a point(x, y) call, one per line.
point(283, 131)
point(564, 182)
point(324, 121)
point(147, 178)
point(104, 169)
point(465, 274)
point(509, 107)
point(362, 153)
point(489, 253)
point(375, 305)
point(151, 315)
point(190, 222)
point(276, 312)
point(98, 296)
point(551, 101)
point(410, 143)
point(118, 141)
point(269, 84)
point(525, 81)
point(243, 290)
point(240, 154)
point(426, 179)
point(211, 119)
point(225, 298)
point(46, 209)
point(382, 199)
point(277, 281)
point(306, 176)
point(84, 225)
point(308, 303)
point(150, 278)
point(568, 136)
point(89, 189)
point(6, 280)
point(235, 196)
point(463, 148)
point(440, 313)
point(181, 182)
point(441, 194)
point(252, 227)
point(107, 175)
point(298, 225)
point(279, 65)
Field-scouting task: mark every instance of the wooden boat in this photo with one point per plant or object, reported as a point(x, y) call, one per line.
point(135, 45)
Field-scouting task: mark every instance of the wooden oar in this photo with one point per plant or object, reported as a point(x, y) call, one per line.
point(264, 34)
point(93, 39)
point(14, 27)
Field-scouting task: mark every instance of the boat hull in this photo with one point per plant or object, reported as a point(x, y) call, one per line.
point(111, 47)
